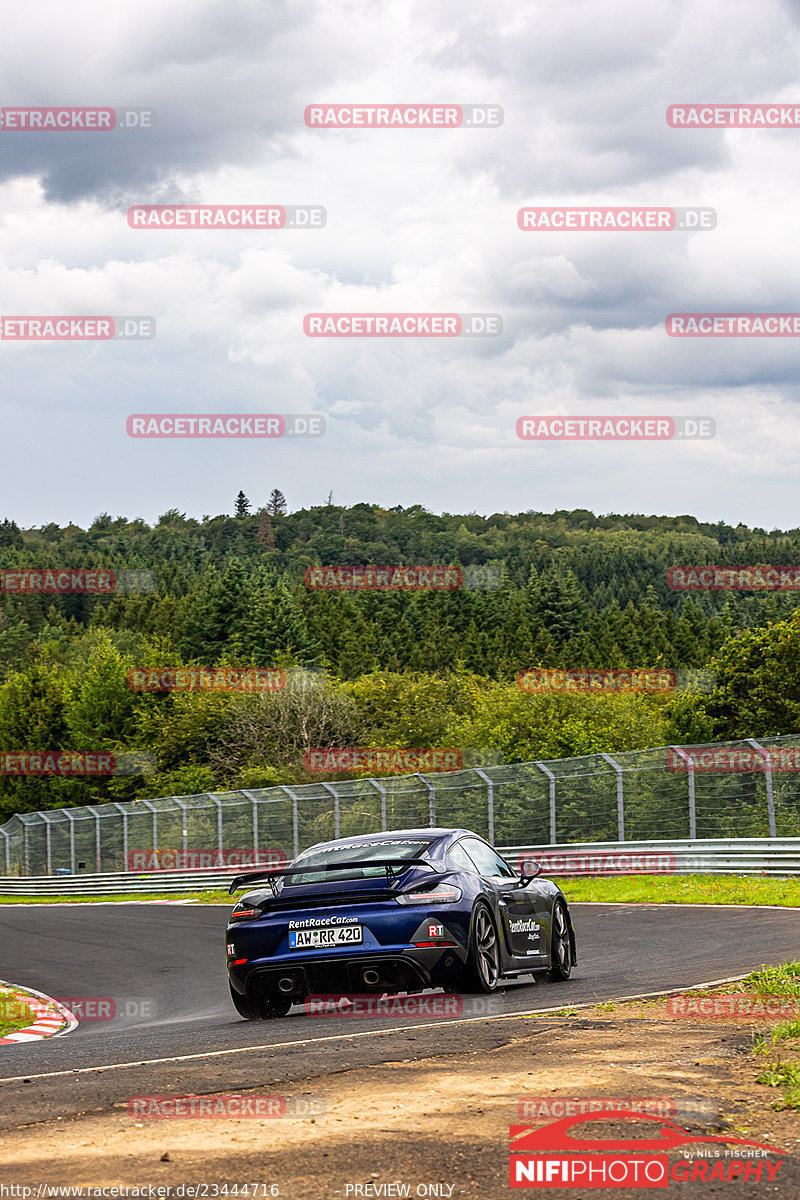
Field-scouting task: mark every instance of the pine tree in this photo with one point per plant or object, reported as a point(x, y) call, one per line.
point(560, 604)
point(276, 625)
point(216, 615)
point(10, 534)
point(242, 505)
point(276, 505)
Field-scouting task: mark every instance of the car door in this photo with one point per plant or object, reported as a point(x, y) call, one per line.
point(524, 930)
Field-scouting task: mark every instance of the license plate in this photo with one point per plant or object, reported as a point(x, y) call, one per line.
point(325, 935)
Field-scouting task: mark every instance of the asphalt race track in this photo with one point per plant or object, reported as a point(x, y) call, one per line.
point(163, 967)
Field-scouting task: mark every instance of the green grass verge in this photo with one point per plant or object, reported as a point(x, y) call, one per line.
point(625, 889)
point(783, 980)
point(786, 1076)
point(14, 1013)
point(684, 889)
point(774, 981)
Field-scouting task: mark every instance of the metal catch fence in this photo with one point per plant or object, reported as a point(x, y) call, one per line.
point(748, 789)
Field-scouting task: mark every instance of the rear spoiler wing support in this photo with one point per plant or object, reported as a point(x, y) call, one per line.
point(394, 868)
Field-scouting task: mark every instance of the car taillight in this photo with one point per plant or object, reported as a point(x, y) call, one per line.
point(439, 895)
point(242, 912)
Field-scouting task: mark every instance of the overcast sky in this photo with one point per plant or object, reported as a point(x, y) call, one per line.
point(417, 221)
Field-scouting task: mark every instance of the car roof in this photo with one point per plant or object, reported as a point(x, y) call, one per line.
point(427, 832)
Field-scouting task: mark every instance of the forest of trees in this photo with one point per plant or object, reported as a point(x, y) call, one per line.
point(380, 668)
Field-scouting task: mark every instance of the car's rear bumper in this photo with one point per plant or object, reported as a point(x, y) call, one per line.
point(388, 948)
point(354, 974)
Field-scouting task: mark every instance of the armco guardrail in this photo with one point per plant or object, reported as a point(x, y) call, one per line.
point(738, 856)
point(113, 883)
point(714, 856)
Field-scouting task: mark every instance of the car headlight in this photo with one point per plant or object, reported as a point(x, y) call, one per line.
point(438, 895)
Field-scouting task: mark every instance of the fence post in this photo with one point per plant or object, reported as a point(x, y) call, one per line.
point(98, 860)
point(47, 843)
point(489, 801)
point(546, 771)
point(254, 803)
point(7, 836)
point(182, 807)
point(27, 850)
point(117, 804)
point(295, 830)
point(768, 781)
point(71, 820)
point(620, 796)
point(692, 808)
point(218, 803)
point(382, 791)
point(332, 790)
point(154, 811)
point(431, 799)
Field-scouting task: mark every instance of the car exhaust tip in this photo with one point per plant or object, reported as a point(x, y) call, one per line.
point(286, 985)
point(371, 978)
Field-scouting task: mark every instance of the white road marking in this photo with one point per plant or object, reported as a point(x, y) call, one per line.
point(349, 1037)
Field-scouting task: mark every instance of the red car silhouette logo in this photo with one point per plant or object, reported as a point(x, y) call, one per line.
point(527, 1139)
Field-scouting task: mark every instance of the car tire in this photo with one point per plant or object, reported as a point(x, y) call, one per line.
point(263, 1009)
point(560, 945)
point(482, 972)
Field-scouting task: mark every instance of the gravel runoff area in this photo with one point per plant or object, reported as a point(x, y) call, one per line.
point(433, 1124)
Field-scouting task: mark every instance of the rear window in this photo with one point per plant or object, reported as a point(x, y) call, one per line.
point(363, 854)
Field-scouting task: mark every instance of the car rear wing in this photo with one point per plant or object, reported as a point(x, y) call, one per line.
point(394, 868)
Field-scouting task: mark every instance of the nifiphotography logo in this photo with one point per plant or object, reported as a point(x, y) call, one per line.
point(551, 1156)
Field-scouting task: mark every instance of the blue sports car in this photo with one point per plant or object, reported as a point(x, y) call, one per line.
point(392, 912)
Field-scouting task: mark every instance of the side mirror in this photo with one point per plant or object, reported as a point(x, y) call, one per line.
point(529, 869)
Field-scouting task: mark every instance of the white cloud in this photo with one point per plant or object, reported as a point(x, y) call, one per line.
point(417, 221)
